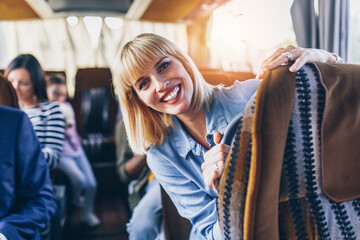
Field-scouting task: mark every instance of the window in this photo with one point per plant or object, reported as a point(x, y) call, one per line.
point(354, 35)
point(244, 33)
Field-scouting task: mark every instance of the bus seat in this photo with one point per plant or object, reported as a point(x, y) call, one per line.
point(7, 93)
point(95, 112)
point(176, 227)
point(215, 76)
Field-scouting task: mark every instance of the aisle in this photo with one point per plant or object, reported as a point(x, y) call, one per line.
point(110, 207)
point(111, 210)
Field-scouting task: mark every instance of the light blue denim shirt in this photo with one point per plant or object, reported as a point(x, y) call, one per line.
point(177, 162)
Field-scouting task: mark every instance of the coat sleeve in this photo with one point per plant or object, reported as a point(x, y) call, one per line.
point(35, 202)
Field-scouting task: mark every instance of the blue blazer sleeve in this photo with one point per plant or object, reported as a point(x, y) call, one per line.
point(27, 202)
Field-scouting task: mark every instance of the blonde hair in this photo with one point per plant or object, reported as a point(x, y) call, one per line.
point(145, 126)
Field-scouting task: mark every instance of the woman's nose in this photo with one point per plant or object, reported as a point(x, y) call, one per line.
point(161, 84)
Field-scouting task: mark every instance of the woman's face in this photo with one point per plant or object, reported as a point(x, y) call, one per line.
point(57, 92)
point(165, 86)
point(21, 81)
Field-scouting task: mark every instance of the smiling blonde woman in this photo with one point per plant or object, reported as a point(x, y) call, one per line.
point(174, 116)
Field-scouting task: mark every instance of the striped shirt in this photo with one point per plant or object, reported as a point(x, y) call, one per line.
point(49, 126)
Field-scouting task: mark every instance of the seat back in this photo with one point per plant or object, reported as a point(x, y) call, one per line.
point(215, 77)
point(176, 227)
point(94, 102)
point(95, 112)
point(60, 74)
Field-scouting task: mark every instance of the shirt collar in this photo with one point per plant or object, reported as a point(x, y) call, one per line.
point(215, 120)
point(180, 138)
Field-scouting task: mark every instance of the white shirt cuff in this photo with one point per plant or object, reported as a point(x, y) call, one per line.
point(2, 237)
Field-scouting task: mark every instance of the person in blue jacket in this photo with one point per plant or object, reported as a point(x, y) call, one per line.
point(27, 202)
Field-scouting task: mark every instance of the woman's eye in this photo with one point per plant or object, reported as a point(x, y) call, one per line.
point(143, 84)
point(164, 66)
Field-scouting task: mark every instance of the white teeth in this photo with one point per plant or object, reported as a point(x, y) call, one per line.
point(172, 95)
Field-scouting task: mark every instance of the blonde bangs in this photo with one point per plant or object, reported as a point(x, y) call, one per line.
point(135, 61)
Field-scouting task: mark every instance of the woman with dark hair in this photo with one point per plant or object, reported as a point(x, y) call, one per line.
point(28, 78)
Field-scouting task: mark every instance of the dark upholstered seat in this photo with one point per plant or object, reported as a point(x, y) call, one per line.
point(95, 110)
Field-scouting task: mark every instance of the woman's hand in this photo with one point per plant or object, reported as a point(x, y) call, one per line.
point(213, 165)
point(297, 57)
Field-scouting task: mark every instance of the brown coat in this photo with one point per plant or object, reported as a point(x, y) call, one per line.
point(340, 160)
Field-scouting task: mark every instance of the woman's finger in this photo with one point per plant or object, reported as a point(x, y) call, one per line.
point(217, 137)
point(300, 61)
point(272, 56)
point(213, 152)
point(284, 58)
point(210, 162)
point(279, 57)
point(212, 175)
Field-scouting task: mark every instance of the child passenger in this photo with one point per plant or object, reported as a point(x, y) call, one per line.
point(74, 162)
point(176, 118)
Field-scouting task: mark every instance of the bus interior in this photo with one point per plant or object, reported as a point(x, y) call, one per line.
point(228, 39)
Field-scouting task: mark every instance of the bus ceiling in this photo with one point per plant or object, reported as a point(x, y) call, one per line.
point(146, 10)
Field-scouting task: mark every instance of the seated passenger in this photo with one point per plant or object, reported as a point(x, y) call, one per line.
point(74, 162)
point(144, 190)
point(171, 114)
point(27, 201)
point(28, 79)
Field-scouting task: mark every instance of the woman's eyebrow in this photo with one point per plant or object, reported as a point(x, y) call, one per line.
point(155, 65)
point(158, 62)
point(139, 80)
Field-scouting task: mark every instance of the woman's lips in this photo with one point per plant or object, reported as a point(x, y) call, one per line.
point(172, 94)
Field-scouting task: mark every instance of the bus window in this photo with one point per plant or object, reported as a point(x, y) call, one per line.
point(240, 39)
point(354, 45)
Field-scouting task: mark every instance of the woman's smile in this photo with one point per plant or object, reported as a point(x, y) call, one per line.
point(172, 94)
